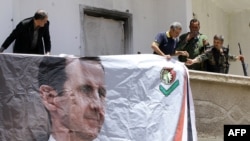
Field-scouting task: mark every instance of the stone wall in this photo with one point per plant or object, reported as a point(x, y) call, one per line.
point(219, 99)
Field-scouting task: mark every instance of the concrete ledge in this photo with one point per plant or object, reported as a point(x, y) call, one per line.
point(219, 99)
point(221, 78)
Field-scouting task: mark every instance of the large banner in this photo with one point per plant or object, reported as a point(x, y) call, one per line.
point(140, 97)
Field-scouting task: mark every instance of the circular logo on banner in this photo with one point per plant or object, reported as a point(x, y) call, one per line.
point(168, 75)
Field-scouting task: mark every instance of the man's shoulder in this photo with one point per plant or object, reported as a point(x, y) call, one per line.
point(203, 36)
point(209, 49)
point(225, 50)
point(27, 21)
point(184, 34)
point(161, 35)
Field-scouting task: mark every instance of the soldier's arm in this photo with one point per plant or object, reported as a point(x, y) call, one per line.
point(198, 59)
point(232, 58)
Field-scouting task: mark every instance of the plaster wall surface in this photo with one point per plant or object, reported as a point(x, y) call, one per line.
point(148, 18)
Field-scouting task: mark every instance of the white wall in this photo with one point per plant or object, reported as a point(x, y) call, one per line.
point(239, 28)
point(213, 19)
point(6, 24)
point(149, 17)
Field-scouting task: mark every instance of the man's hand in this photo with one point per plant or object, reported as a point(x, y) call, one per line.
point(205, 42)
point(168, 57)
point(240, 57)
point(189, 62)
point(183, 53)
point(191, 35)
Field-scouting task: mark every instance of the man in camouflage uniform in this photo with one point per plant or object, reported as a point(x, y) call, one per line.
point(193, 42)
point(216, 56)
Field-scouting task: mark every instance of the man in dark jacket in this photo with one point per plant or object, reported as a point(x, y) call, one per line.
point(31, 35)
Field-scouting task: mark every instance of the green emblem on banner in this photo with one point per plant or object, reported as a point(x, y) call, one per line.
point(168, 91)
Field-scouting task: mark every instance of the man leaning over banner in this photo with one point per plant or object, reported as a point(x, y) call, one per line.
point(165, 42)
point(31, 35)
point(73, 92)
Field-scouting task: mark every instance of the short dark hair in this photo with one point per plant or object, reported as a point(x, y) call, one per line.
point(52, 71)
point(194, 21)
point(40, 15)
point(219, 37)
point(94, 59)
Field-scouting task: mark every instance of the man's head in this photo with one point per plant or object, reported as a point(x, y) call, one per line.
point(40, 18)
point(77, 104)
point(218, 41)
point(194, 26)
point(175, 29)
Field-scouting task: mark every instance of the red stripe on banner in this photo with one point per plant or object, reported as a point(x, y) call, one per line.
point(180, 126)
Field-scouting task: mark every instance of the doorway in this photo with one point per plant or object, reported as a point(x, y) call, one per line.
point(105, 32)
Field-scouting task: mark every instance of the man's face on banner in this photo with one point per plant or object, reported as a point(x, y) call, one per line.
point(82, 107)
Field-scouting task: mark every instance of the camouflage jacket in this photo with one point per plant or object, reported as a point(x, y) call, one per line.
point(216, 61)
point(194, 47)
